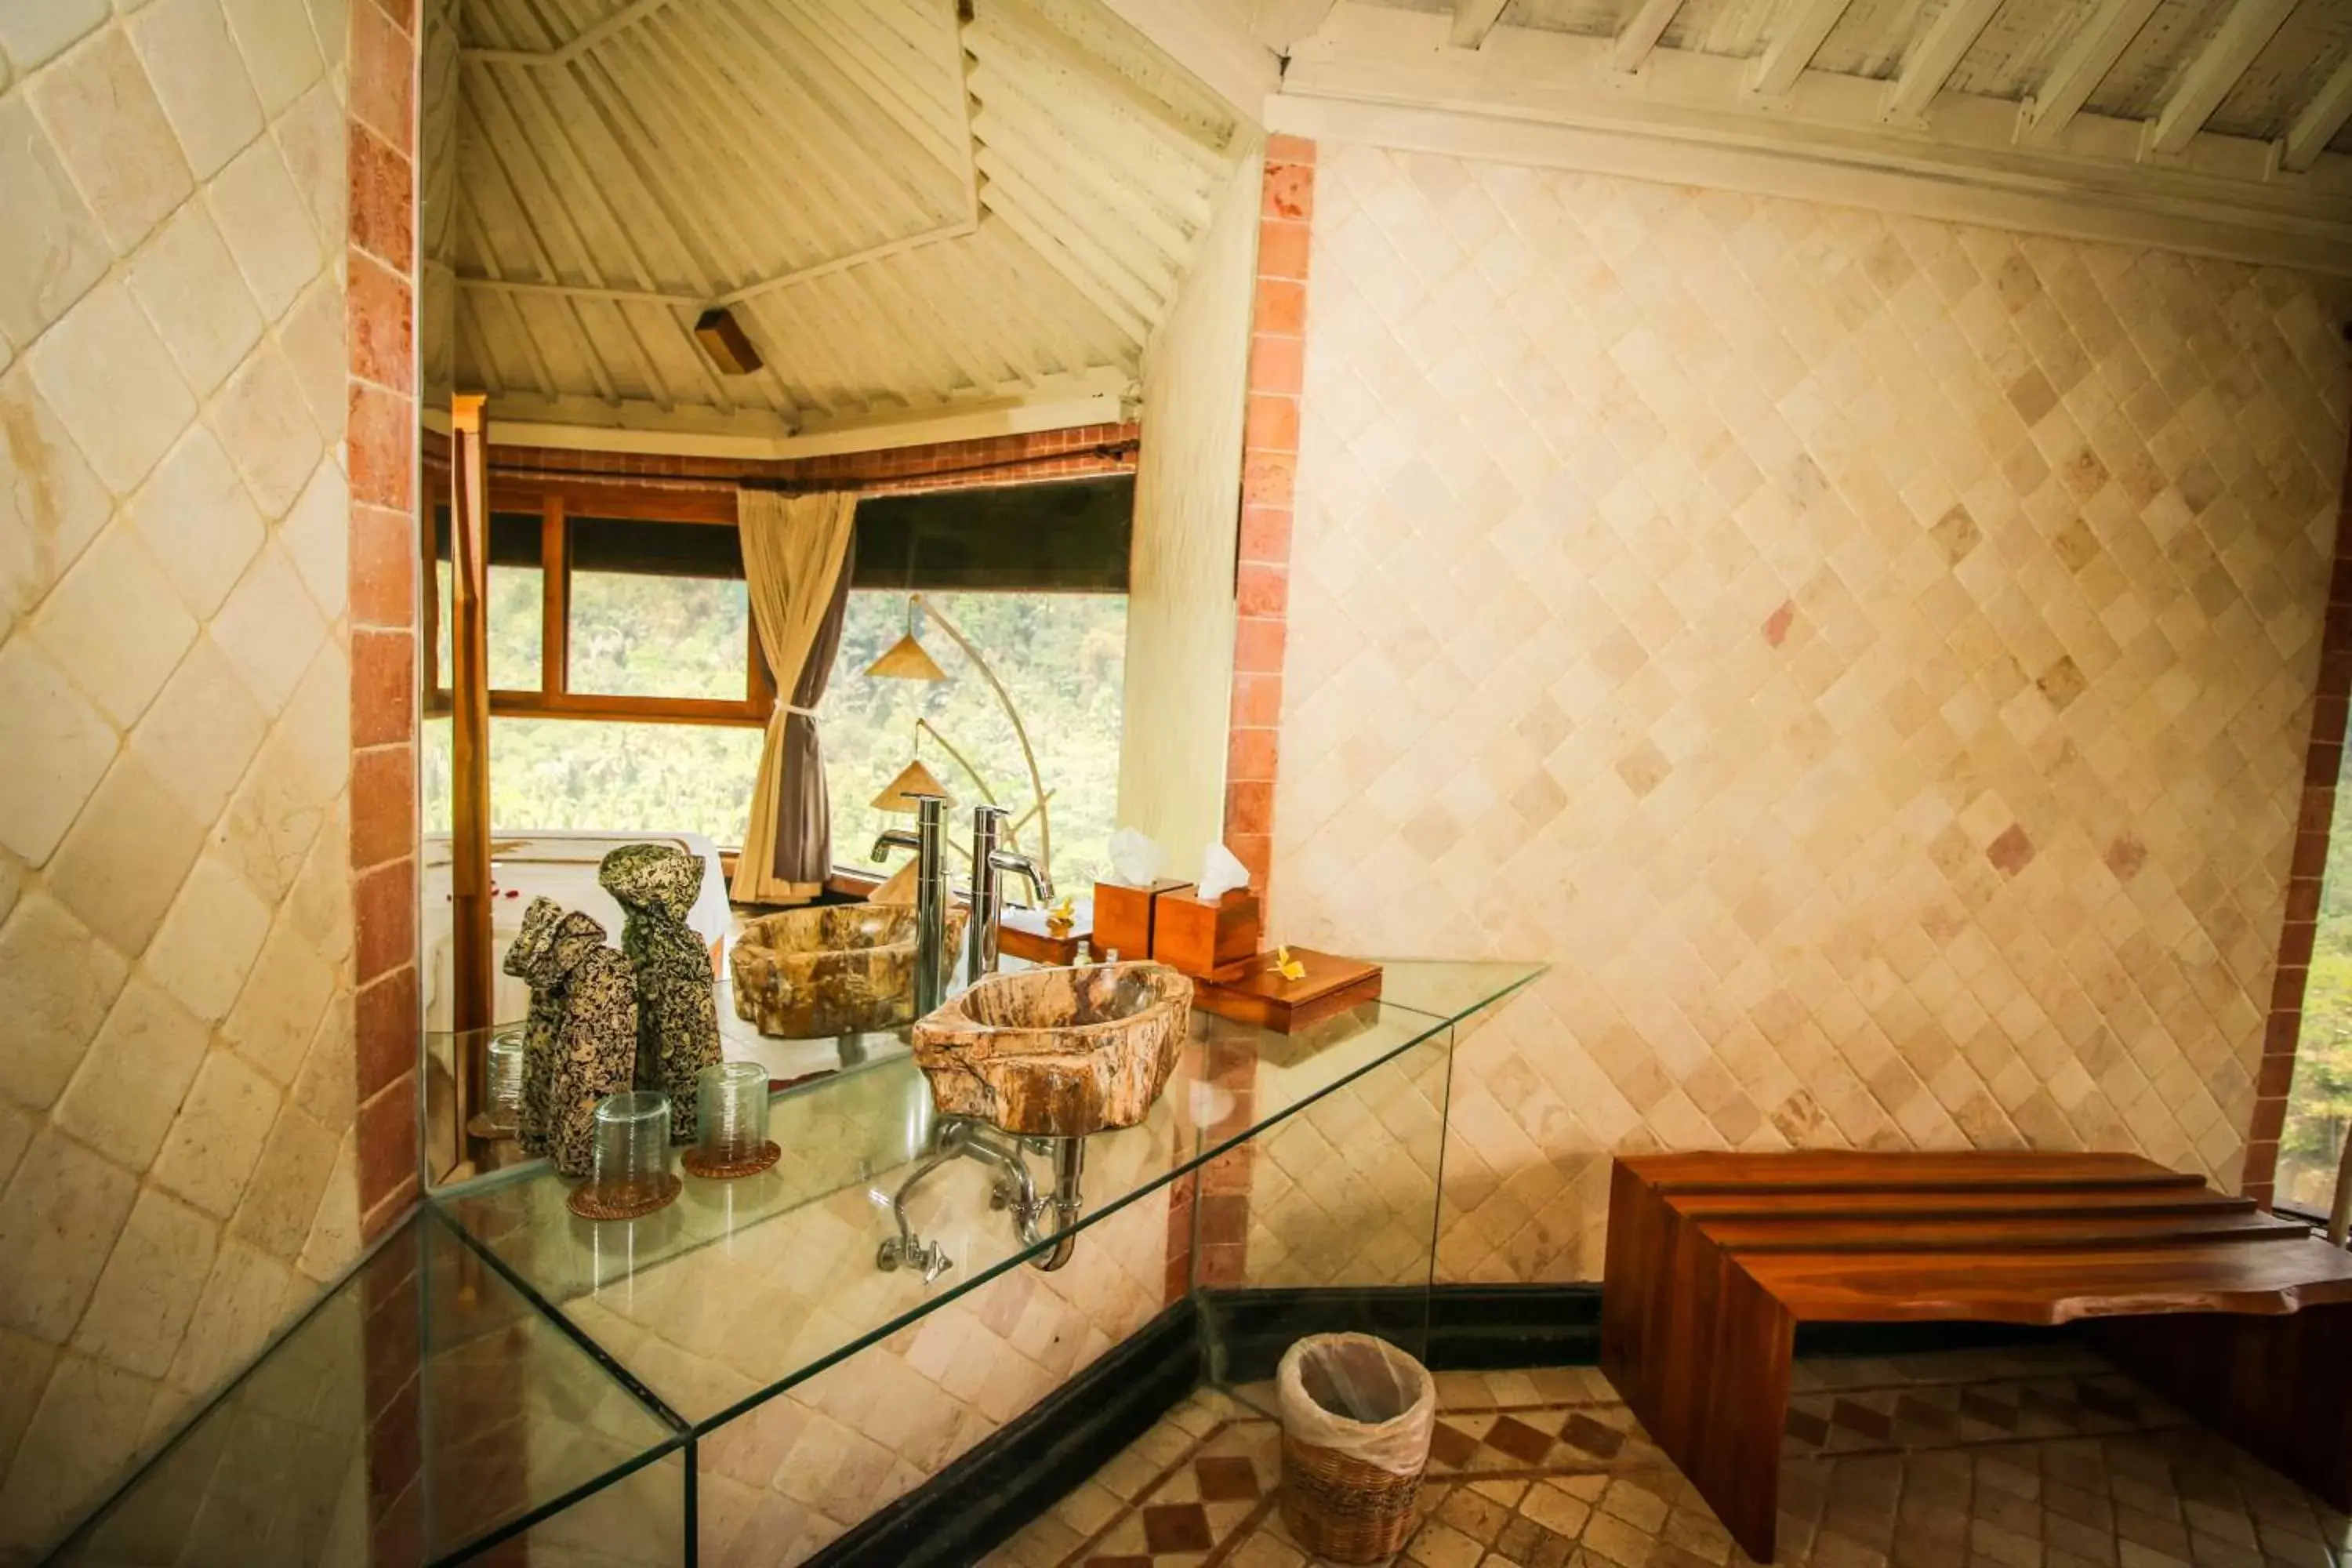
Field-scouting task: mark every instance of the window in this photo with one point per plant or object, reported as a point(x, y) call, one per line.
point(628, 692)
point(658, 610)
point(2320, 1103)
point(1061, 655)
point(623, 618)
point(688, 778)
point(560, 772)
point(517, 602)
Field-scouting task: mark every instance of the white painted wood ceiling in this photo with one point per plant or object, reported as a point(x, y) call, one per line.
point(2218, 127)
point(2012, 53)
point(907, 210)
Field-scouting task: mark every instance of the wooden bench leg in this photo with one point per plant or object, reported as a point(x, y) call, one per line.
point(1700, 1354)
point(2280, 1388)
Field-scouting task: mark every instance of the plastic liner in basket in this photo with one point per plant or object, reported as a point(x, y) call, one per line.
point(1359, 1396)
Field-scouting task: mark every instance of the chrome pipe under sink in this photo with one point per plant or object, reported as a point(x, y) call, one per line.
point(1014, 1189)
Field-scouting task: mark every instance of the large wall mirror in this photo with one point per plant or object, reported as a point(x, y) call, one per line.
point(983, 271)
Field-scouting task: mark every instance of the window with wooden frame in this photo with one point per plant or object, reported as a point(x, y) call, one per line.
point(624, 606)
point(610, 602)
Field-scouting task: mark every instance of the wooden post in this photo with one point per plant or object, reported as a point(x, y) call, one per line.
point(469, 793)
point(554, 595)
point(2339, 1214)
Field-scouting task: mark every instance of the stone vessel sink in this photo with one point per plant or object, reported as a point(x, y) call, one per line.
point(834, 969)
point(1058, 1053)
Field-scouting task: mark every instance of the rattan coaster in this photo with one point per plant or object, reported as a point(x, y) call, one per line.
point(698, 1165)
point(589, 1204)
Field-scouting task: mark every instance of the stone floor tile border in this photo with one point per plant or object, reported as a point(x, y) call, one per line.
point(1990, 1494)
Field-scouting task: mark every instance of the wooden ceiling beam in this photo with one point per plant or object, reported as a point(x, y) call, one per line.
point(2319, 122)
point(1010, 27)
point(1929, 63)
point(543, 132)
point(1122, 306)
point(627, 16)
point(1100, 396)
point(2096, 46)
point(1208, 39)
point(500, 159)
point(2249, 25)
point(1473, 20)
point(1803, 26)
point(1279, 24)
point(1642, 33)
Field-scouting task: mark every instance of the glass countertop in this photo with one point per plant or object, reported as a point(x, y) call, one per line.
point(423, 1409)
point(513, 1360)
point(743, 1289)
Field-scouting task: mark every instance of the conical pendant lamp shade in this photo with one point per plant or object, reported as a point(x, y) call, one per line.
point(914, 779)
point(906, 660)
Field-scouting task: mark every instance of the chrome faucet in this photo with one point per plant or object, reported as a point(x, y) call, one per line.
point(928, 842)
point(989, 866)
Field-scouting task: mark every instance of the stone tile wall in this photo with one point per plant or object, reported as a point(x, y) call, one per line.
point(1345, 1192)
point(1871, 658)
point(780, 1483)
point(177, 583)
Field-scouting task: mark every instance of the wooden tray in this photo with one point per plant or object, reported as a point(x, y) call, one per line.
point(1259, 995)
point(1026, 933)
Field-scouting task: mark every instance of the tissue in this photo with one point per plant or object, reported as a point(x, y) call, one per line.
point(1134, 857)
point(1220, 874)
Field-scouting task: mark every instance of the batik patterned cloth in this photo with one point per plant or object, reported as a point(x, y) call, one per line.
point(677, 1012)
point(580, 1043)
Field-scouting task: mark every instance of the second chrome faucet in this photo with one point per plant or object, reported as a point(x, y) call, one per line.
point(990, 866)
point(928, 842)
point(990, 863)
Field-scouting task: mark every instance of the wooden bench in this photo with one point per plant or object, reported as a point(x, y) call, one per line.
point(1714, 1259)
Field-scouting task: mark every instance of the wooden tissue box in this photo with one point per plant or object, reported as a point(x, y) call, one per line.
point(1125, 917)
point(1202, 939)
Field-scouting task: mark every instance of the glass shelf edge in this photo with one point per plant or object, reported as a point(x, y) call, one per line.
point(611, 1364)
point(540, 1513)
point(1429, 1022)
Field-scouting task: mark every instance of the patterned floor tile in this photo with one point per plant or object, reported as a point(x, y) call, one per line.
point(2027, 1458)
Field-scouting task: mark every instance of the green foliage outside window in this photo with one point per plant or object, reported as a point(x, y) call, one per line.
point(2319, 1106)
point(639, 636)
point(1064, 658)
point(1061, 654)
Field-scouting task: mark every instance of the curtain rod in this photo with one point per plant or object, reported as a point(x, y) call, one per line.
point(1122, 449)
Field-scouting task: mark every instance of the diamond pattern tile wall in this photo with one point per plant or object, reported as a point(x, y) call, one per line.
point(1869, 658)
point(1346, 1190)
point(784, 1480)
point(177, 1155)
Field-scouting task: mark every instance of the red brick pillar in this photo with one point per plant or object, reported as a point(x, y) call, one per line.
point(1208, 1212)
point(380, 454)
point(1270, 471)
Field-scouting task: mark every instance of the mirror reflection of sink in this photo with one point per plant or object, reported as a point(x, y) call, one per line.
point(1058, 1053)
point(833, 969)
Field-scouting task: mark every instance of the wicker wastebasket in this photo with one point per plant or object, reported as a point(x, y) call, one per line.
point(1356, 1419)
